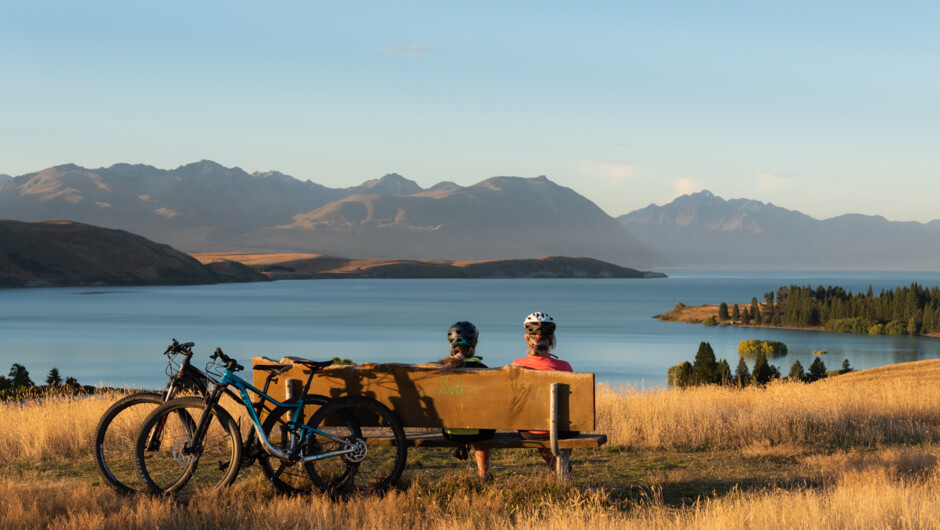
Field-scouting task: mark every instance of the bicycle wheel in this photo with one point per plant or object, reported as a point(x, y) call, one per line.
point(285, 476)
point(162, 449)
point(116, 439)
point(379, 458)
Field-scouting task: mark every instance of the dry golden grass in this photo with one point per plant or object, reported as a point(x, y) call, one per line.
point(824, 414)
point(250, 258)
point(870, 498)
point(872, 443)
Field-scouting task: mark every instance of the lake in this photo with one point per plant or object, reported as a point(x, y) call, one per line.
point(115, 335)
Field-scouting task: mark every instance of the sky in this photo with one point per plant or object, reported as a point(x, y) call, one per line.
point(826, 107)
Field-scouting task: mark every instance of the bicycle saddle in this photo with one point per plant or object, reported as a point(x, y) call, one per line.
point(309, 363)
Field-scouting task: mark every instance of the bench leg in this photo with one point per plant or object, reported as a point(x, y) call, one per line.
point(563, 466)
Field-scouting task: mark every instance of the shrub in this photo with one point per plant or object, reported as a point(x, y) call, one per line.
point(849, 325)
point(710, 321)
point(769, 348)
point(896, 327)
point(680, 374)
point(337, 360)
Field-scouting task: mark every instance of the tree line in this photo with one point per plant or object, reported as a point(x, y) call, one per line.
point(18, 381)
point(913, 310)
point(708, 370)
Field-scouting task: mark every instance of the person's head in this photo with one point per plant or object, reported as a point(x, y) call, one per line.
point(462, 337)
point(539, 333)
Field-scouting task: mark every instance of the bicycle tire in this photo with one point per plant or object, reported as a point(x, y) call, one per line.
point(115, 440)
point(373, 469)
point(286, 477)
point(165, 469)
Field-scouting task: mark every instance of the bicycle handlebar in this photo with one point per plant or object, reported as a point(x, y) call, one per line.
point(230, 363)
point(184, 348)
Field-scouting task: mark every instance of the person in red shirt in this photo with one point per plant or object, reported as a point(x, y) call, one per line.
point(540, 338)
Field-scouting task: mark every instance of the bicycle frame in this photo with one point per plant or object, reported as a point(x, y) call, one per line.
point(229, 379)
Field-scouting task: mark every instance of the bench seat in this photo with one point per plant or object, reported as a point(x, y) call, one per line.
point(426, 398)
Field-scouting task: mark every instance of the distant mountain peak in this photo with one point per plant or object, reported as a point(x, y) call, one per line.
point(390, 184)
point(445, 185)
point(203, 166)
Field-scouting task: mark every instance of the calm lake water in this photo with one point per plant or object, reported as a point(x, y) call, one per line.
point(115, 336)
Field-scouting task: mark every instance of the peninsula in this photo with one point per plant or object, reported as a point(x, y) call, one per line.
point(316, 266)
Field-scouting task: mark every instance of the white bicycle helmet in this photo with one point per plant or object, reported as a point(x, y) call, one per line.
point(541, 322)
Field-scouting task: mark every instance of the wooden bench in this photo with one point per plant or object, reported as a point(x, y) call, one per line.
point(505, 399)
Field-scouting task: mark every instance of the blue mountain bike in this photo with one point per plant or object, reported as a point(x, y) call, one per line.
point(116, 433)
point(351, 445)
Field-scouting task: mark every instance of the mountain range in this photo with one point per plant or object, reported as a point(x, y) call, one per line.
point(205, 207)
point(704, 230)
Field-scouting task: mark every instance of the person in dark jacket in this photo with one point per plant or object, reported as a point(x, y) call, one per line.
point(463, 337)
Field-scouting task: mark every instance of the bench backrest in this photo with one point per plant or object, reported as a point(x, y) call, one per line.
point(500, 398)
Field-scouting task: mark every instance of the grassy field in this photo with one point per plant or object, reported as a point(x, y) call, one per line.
point(855, 451)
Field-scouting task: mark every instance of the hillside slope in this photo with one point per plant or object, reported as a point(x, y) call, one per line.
point(63, 253)
point(927, 371)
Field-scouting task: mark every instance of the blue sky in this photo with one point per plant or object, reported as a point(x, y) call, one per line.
point(823, 107)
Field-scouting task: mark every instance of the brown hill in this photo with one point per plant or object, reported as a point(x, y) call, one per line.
point(312, 266)
point(915, 371)
point(62, 253)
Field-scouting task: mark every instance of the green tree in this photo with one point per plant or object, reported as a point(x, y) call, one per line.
point(742, 376)
point(846, 367)
point(705, 367)
point(19, 376)
point(723, 311)
point(54, 379)
point(4, 383)
point(817, 370)
point(71, 381)
point(723, 373)
point(735, 313)
point(755, 312)
point(763, 371)
point(680, 374)
point(796, 372)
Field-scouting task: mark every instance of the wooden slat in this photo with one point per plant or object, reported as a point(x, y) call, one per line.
point(499, 441)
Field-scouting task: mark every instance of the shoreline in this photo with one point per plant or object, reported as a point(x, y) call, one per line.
point(698, 314)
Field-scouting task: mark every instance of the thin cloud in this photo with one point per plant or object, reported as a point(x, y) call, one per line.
point(413, 50)
point(686, 186)
point(611, 174)
point(767, 181)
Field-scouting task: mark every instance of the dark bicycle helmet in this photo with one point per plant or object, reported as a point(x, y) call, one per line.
point(463, 332)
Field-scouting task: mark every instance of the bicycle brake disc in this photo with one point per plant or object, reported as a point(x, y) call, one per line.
point(359, 452)
point(178, 452)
